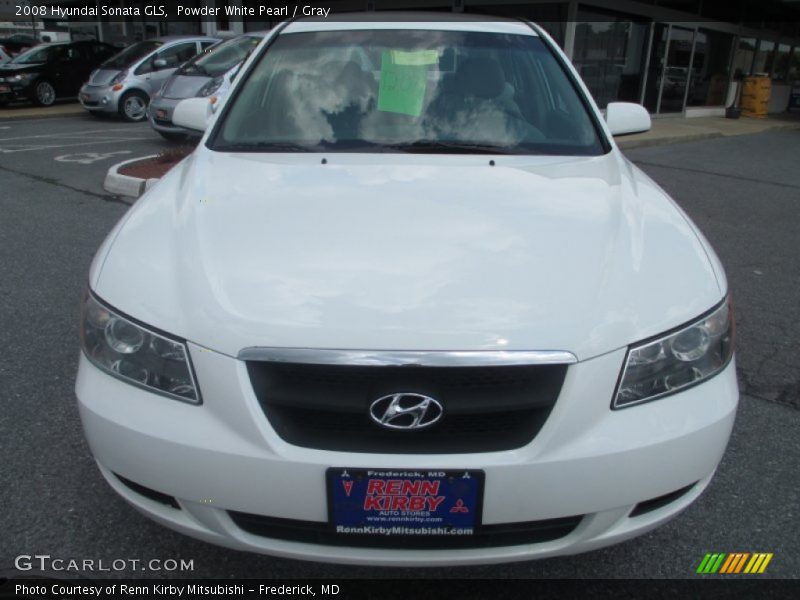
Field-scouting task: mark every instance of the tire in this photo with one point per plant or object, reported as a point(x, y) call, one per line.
point(44, 94)
point(133, 106)
point(172, 136)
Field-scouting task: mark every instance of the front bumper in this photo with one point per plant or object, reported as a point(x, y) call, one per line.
point(159, 113)
point(587, 460)
point(10, 92)
point(99, 98)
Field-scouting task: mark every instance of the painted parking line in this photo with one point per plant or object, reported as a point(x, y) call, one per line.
point(65, 134)
point(12, 149)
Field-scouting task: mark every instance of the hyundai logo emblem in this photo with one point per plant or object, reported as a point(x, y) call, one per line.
point(406, 410)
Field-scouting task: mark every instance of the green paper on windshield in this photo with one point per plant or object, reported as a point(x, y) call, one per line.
point(404, 79)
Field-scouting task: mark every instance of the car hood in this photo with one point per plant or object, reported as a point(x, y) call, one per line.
point(407, 252)
point(103, 76)
point(13, 69)
point(184, 86)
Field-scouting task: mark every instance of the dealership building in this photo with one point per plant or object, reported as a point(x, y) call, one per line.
point(676, 57)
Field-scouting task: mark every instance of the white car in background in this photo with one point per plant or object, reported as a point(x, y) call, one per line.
point(413, 309)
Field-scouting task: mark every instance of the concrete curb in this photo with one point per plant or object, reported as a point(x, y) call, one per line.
point(624, 144)
point(125, 185)
point(40, 112)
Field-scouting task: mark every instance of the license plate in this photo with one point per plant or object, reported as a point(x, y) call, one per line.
point(86, 97)
point(161, 114)
point(5, 89)
point(400, 502)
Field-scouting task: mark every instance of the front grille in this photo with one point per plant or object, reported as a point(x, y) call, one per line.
point(486, 536)
point(485, 408)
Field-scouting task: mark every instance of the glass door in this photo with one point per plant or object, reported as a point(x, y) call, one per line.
point(668, 68)
point(676, 73)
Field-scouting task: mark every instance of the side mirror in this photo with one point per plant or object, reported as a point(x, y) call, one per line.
point(159, 63)
point(626, 117)
point(192, 113)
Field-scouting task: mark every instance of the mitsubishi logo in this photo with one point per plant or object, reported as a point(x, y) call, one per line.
point(406, 411)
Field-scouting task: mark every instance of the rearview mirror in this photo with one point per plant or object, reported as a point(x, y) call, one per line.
point(192, 113)
point(626, 117)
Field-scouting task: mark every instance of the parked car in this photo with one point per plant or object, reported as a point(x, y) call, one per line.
point(17, 42)
point(205, 75)
point(125, 83)
point(420, 313)
point(4, 56)
point(48, 71)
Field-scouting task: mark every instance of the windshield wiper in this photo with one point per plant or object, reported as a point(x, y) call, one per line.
point(265, 147)
point(450, 147)
point(200, 69)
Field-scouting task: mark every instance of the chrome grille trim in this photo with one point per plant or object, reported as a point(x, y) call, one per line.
point(410, 358)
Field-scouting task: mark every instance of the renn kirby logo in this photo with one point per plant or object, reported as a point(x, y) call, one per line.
point(734, 563)
point(402, 494)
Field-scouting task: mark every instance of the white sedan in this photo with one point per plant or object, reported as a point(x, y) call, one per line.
point(408, 304)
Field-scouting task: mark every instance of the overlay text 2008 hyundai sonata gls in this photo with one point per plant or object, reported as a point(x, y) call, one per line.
point(407, 304)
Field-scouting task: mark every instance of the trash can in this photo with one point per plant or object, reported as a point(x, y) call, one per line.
point(756, 91)
point(794, 96)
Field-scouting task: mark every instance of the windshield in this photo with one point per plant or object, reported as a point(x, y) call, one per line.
point(130, 55)
point(39, 54)
point(221, 58)
point(404, 90)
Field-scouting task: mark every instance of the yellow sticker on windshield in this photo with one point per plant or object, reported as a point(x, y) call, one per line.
point(416, 58)
point(404, 80)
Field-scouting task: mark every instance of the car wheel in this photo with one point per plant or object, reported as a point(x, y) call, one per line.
point(44, 94)
point(173, 137)
point(133, 107)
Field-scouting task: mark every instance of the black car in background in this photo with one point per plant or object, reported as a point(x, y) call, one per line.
point(48, 71)
point(16, 43)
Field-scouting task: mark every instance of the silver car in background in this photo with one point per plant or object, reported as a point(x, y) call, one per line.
point(125, 83)
point(207, 75)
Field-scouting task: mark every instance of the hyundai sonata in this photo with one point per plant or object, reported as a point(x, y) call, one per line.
point(407, 304)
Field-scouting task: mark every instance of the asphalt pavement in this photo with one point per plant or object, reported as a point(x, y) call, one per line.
point(743, 192)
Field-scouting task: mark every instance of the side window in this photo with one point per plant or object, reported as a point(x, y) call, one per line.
point(178, 54)
point(206, 45)
point(174, 56)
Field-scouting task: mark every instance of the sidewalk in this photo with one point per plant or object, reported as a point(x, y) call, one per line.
point(28, 111)
point(679, 129)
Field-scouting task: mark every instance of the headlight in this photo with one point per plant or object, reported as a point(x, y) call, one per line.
point(135, 354)
point(677, 360)
point(211, 87)
point(20, 77)
point(118, 78)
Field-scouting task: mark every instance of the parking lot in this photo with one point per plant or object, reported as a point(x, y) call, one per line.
point(743, 192)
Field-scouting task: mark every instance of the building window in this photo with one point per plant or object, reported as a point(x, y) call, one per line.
point(609, 53)
point(794, 66)
point(780, 67)
point(763, 61)
point(743, 57)
point(708, 81)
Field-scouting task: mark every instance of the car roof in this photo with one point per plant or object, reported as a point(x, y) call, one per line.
point(433, 21)
point(181, 38)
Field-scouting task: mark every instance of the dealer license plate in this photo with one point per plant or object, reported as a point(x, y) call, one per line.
point(161, 114)
point(383, 502)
